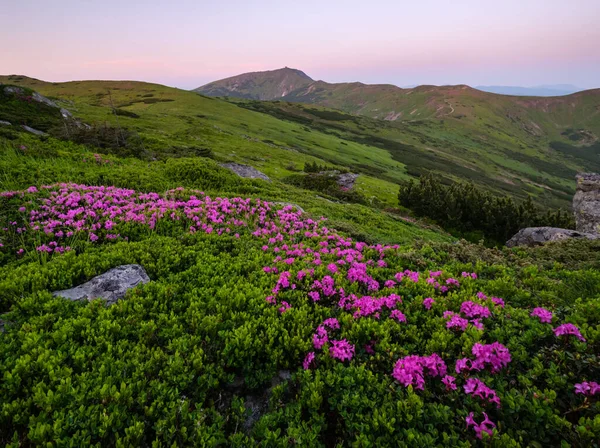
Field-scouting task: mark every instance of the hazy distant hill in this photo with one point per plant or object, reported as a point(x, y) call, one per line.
point(267, 85)
point(544, 90)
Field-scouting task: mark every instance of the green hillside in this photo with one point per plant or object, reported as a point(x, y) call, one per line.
point(347, 324)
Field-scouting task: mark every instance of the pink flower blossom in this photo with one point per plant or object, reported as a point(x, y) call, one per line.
point(543, 314)
point(411, 370)
point(486, 425)
point(308, 360)
point(398, 315)
point(320, 338)
point(568, 329)
point(477, 388)
point(341, 350)
point(284, 307)
point(428, 302)
point(474, 310)
point(587, 388)
point(449, 381)
point(331, 323)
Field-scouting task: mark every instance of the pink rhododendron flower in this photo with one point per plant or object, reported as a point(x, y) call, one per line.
point(320, 338)
point(284, 307)
point(411, 370)
point(457, 322)
point(398, 315)
point(477, 388)
point(544, 315)
point(428, 302)
point(486, 425)
point(308, 360)
point(389, 284)
point(341, 350)
point(474, 310)
point(450, 382)
point(331, 323)
point(587, 388)
point(568, 329)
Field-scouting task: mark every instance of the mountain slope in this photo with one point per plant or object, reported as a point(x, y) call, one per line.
point(267, 85)
point(497, 147)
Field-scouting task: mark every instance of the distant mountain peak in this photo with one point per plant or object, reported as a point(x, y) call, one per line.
point(265, 85)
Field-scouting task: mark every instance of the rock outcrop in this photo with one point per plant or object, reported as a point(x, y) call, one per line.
point(536, 236)
point(245, 171)
point(110, 286)
point(347, 180)
point(586, 203)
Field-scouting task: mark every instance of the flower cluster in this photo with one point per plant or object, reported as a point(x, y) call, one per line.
point(486, 425)
point(477, 388)
point(494, 355)
point(587, 388)
point(544, 315)
point(411, 370)
point(568, 329)
point(341, 350)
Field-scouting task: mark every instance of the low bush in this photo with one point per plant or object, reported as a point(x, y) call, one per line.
point(464, 208)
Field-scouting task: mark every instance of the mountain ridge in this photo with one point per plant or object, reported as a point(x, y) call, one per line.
point(385, 101)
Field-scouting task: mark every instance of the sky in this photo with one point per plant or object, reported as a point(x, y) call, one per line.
point(188, 43)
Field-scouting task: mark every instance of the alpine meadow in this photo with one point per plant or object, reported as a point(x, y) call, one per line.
point(274, 260)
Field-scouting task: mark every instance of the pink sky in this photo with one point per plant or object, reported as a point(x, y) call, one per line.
point(187, 43)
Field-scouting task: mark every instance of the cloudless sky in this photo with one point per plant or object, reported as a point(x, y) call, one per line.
point(187, 43)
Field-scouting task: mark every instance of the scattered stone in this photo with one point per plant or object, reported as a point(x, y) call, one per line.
point(110, 286)
point(536, 236)
point(5, 123)
point(13, 90)
point(586, 203)
point(245, 171)
point(33, 131)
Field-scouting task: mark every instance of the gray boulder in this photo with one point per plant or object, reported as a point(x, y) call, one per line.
point(586, 203)
point(245, 171)
point(110, 286)
point(536, 236)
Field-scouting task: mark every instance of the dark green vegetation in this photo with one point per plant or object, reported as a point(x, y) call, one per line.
point(180, 360)
point(471, 212)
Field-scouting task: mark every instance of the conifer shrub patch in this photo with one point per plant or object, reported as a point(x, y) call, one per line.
point(414, 345)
